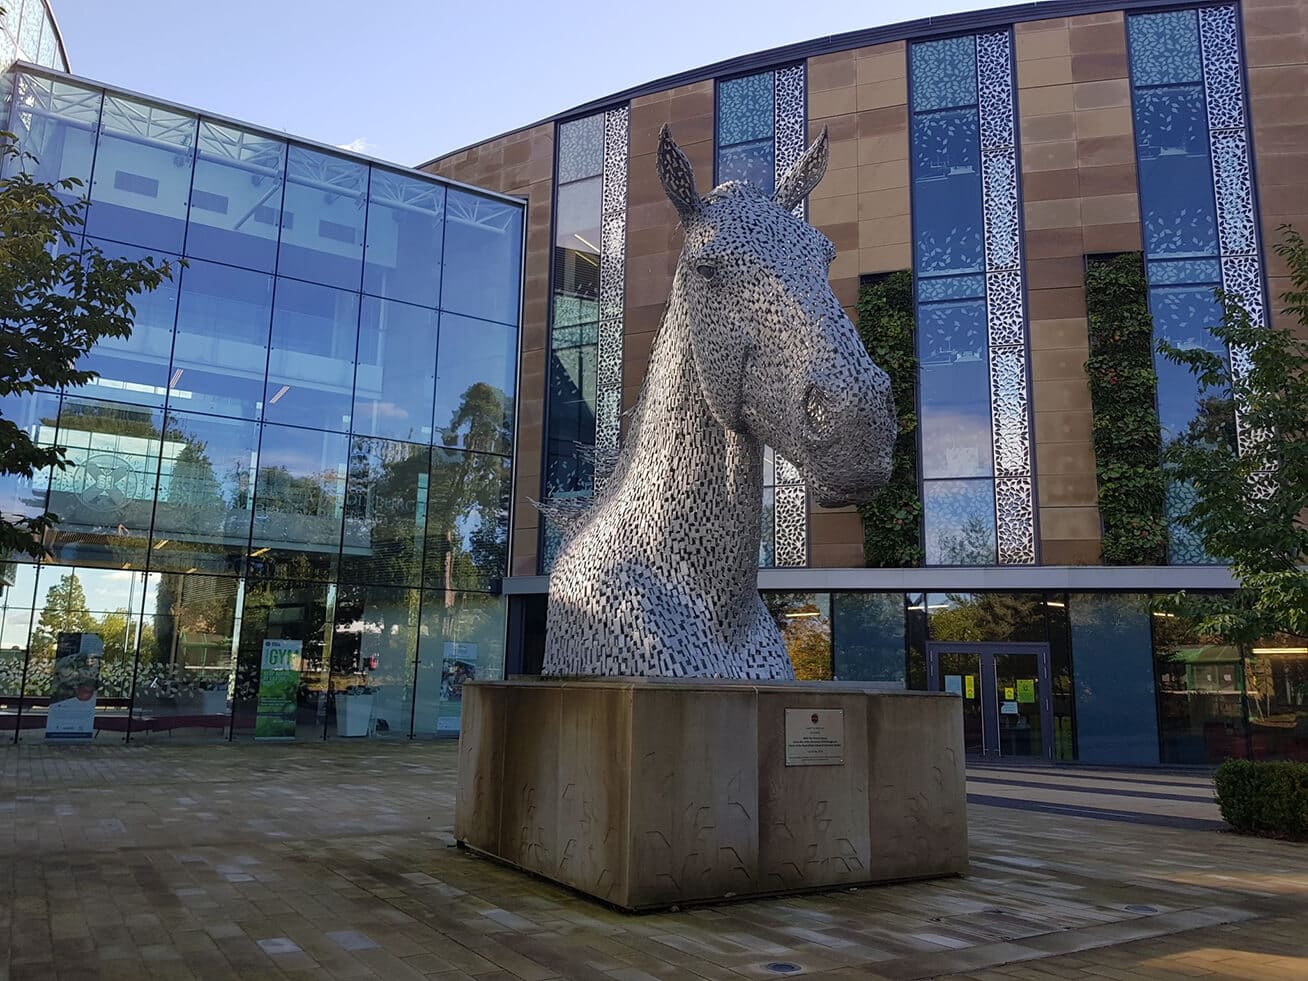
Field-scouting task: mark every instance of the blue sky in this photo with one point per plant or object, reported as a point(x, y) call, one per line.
point(407, 80)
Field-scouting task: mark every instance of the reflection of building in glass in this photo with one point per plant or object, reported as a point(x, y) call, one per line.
point(307, 437)
point(990, 155)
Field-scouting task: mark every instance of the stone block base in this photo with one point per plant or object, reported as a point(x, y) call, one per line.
point(647, 793)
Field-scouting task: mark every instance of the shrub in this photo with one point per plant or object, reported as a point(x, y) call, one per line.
point(1264, 798)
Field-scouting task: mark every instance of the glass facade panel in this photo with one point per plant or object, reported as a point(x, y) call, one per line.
point(483, 257)
point(107, 603)
point(986, 617)
point(475, 385)
point(236, 200)
point(405, 230)
point(461, 639)
point(1276, 676)
point(395, 380)
point(868, 637)
point(467, 519)
point(255, 461)
point(104, 499)
point(804, 620)
point(299, 504)
point(56, 123)
point(952, 337)
point(385, 512)
point(203, 507)
point(315, 331)
point(142, 177)
point(187, 655)
point(373, 660)
point(1116, 711)
point(746, 124)
point(323, 219)
point(571, 405)
point(959, 522)
point(286, 611)
point(24, 497)
point(220, 354)
point(136, 368)
point(1178, 215)
point(1200, 689)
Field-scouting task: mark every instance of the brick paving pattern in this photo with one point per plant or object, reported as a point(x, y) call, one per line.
point(336, 861)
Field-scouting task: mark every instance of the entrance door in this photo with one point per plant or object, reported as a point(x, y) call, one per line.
point(1007, 704)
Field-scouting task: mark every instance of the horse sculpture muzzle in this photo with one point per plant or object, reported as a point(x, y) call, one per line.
point(847, 426)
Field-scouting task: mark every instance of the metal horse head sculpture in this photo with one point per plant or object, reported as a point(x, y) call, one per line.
point(659, 575)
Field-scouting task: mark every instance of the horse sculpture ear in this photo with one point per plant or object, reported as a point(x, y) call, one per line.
point(677, 177)
point(804, 174)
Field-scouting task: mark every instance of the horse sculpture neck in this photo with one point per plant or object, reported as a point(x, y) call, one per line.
point(699, 471)
point(660, 577)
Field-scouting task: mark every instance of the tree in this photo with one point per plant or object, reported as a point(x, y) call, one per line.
point(64, 611)
point(1247, 502)
point(56, 302)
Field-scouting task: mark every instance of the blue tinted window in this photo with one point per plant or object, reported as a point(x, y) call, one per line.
point(959, 522)
point(311, 356)
point(571, 417)
point(947, 201)
point(142, 174)
point(474, 385)
point(483, 257)
point(405, 228)
point(236, 202)
point(576, 253)
point(954, 387)
point(34, 414)
point(136, 368)
point(1116, 713)
point(323, 219)
point(396, 375)
point(581, 148)
point(299, 504)
point(206, 476)
point(55, 122)
point(221, 350)
point(1165, 48)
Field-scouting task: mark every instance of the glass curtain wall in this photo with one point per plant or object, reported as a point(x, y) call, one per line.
point(303, 446)
point(574, 317)
point(954, 376)
point(1180, 223)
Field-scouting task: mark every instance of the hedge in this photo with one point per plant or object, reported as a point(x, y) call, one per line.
point(1264, 798)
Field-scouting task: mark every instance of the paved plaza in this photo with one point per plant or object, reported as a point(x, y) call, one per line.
point(336, 860)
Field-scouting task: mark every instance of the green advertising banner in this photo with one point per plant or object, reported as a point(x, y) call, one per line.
point(279, 684)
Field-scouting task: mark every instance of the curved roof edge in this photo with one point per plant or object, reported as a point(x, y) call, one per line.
point(966, 22)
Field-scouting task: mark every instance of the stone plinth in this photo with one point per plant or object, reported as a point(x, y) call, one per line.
point(647, 793)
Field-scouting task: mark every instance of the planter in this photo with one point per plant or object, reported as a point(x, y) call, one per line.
point(353, 715)
point(213, 702)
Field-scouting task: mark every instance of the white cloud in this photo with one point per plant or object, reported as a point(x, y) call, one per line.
point(360, 144)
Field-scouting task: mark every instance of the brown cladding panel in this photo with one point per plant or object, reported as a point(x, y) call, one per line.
point(521, 164)
point(1079, 197)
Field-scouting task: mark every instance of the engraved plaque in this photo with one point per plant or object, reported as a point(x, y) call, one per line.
point(815, 737)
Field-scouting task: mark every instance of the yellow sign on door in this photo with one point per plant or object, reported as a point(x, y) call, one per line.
point(1009, 695)
point(969, 685)
point(1026, 690)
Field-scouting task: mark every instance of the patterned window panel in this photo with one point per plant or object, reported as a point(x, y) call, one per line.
point(1010, 402)
point(613, 248)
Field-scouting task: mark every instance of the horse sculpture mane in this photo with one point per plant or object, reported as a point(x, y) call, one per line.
point(658, 575)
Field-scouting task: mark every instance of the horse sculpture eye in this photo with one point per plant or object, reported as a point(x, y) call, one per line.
point(706, 270)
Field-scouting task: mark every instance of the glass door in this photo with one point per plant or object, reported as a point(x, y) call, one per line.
point(1019, 690)
point(959, 672)
point(1007, 708)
